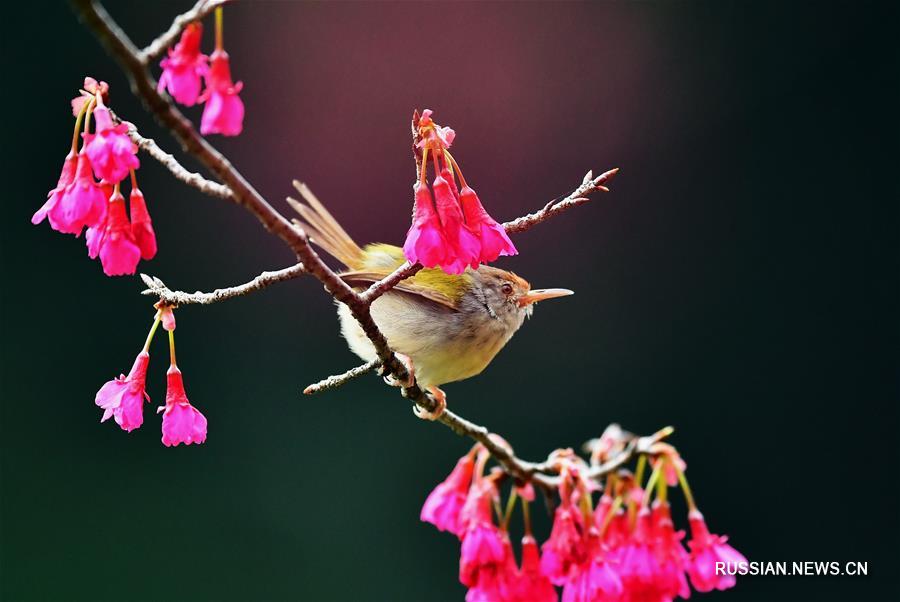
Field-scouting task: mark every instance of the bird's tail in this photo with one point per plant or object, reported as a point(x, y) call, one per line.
point(324, 230)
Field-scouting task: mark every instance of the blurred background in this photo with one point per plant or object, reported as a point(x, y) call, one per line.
point(740, 282)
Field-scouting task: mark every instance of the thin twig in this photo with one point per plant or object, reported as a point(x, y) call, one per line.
point(390, 281)
point(339, 379)
point(158, 46)
point(577, 197)
point(168, 161)
point(156, 287)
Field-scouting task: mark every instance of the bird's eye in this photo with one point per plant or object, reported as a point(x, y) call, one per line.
point(507, 289)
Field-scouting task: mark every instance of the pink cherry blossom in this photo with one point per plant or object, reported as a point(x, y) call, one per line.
point(531, 585)
point(142, 225)
point(463, 243)
point(494, 240)
point(82, 202)
point(123, 397)
point(182, 422)
point(111, 151)
point(706, 550)
point(53, 197)
point(114, 242)
point(425, 241)
point(185, 66)
point(443, 505)
point(224, 110)
point(565, 547)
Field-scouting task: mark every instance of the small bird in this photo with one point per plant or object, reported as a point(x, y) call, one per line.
point(443, 327)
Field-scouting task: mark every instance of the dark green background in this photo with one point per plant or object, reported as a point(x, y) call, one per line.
point(739, 283)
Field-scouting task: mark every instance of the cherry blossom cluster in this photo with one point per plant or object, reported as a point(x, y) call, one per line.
point(620, 547)
point(450, 227)
point(186, 68)
point(123, 398)
point(88, 193)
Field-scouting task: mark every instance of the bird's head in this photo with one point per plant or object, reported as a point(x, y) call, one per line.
point(505, 296)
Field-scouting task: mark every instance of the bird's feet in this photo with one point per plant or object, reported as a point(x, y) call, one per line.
point(410, 369)
point(440, 397)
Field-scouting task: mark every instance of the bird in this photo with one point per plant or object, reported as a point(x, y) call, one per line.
point(443, 327)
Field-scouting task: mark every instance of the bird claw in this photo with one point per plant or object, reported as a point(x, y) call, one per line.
point(393, 381)
point(440, 397)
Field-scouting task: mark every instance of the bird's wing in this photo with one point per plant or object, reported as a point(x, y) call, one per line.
point(409, 286)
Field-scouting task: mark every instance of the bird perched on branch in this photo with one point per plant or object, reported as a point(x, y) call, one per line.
point(444, 327)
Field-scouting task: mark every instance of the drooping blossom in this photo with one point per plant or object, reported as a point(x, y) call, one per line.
point(670, 553)
point(224, 110)
point(81, 204)
point(142, 225)
point(114, 241)
point(66, 177)
point(182, 422)
point(444, 504)
point(112, 152)
point(531, 585)
point(461, 240)
point(494, 240)
point(638, 566)
point(185, 66)
point(482, 541)
point(566, 546)
point(123, 398)
point(452, 230)
point(425, 241)
point(593, 579)
point(706, 550)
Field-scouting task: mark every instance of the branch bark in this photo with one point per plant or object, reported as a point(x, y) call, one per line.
point(167, 296)
point(158, 46)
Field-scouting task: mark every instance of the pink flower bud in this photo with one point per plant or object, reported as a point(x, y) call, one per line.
point(142, 225)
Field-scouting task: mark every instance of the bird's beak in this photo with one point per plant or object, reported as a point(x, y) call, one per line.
point(540, 294)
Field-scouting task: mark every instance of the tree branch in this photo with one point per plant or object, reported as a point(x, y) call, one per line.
point(168, 161)
point(158, 46)
point(167, 296)
point(339, 379)
point(588, 185)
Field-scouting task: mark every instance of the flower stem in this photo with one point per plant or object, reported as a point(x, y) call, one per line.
point(172, 347)
point(151, 333)
point(617, 503)
point(219, 35)
point(87, 117)
point(688, 494)
point(456, 168)
point(133, 180)
point(641, 468)
point(78, 120)
point(510, 506)
point(424, 166)
point(526, 515)
point(662, 488)
point(651, 483)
